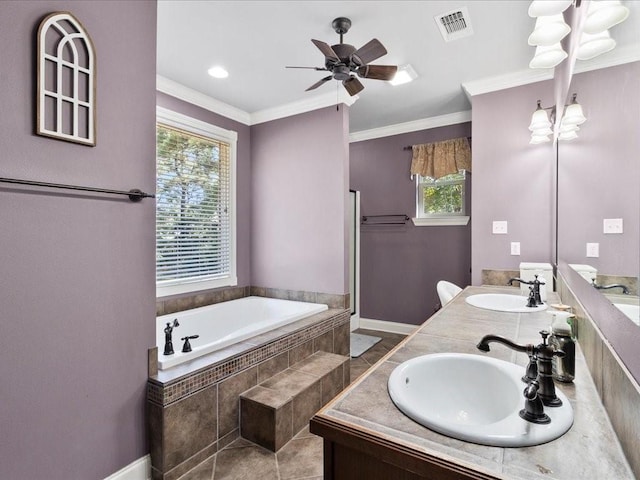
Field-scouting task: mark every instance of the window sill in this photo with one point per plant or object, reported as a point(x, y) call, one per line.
point(441, 221)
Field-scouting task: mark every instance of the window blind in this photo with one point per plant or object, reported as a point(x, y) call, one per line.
point(193, 218)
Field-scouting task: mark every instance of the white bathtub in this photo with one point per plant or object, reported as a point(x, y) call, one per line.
point(226, 323)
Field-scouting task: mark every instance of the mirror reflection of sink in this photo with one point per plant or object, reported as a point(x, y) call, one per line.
point(502, 302)
point(631, 311)
point(472, 398)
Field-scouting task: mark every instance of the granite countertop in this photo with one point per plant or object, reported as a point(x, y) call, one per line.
point(589, 450)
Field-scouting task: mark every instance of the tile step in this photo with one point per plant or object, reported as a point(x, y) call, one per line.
point(273, 411)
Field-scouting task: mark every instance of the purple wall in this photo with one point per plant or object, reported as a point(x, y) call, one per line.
point(77, 284)
point(512, 180)
point(599, 172)
point(243, 185)
point(400, 265)
point(299, 203)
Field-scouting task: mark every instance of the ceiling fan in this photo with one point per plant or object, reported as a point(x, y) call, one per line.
point(345, 62)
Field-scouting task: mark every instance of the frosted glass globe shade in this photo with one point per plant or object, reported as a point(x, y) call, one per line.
point(549, 30)
point(540, 8)
point(537, 139)
point(541, 132)
point(603, 15)
point(573, 115)
point(548, 56)
point(568, 127)
point(593, 45)
point(568, 136)
point(539, 120)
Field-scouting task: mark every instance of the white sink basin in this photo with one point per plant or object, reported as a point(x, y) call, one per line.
point(502, 302)
point(631, 311)
point(473, 398)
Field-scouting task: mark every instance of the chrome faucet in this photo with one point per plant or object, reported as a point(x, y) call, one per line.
point(536, 288)
point(624, 288)
point(542, 354)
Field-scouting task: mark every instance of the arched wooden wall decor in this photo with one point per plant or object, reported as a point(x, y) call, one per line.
point(66, 104)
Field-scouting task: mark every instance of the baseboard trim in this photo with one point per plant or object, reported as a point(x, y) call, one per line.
point(137, 470)
point(385, 326)
point(355, 322)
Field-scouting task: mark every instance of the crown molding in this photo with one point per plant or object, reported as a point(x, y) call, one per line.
point(302, 106)
point(509, 80)
point(413, 126)
point(619, 56)
point(175, 89)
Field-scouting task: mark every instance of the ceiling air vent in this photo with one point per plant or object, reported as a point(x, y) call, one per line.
point(454, 24)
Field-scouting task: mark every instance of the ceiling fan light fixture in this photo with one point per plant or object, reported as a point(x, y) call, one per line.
point(604, 14)
point(540, 8)
point(218, 72)
point(549, 30)
point(405, 74)
point(548, 56)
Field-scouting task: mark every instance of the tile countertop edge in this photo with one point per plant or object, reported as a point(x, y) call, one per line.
point(327, 421)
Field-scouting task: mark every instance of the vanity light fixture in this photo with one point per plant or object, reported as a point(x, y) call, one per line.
point(218, 72)
point(550, 29)
point(604, 14)
point(540, 125)
point(593, 45)
point(405, 74)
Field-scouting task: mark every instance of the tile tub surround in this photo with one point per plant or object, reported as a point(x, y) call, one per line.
point(193, 408)
point(363, 418)
point(210, 297)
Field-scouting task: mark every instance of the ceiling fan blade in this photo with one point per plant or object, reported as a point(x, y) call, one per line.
point(310, 68)
point(326, 50)
point(377, 72)
point(369, 52)
point(319, 82)
point(352, 85)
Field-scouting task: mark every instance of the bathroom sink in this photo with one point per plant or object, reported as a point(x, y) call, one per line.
point(473, 398)
point(631, 311)
point(502, 302)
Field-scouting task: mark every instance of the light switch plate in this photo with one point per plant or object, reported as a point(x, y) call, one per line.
point(593, 250)
point(515, 248)
point(499, 227)
point(612, 225)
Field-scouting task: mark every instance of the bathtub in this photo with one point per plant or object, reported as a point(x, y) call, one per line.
point(226, 323)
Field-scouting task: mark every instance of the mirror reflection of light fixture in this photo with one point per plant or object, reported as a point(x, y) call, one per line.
point(604, 14)
point(405, 74)
point(548, 56)
point(540, 8)
point(549, 30)
point(573, 114)
point(593, 45)
point(540, 125)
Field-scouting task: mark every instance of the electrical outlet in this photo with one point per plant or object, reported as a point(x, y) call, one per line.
point(500, 227)
point(612, 225)
point(515, 248)
point(593, 250)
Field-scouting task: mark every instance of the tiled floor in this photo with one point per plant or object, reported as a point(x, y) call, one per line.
point(301, 458)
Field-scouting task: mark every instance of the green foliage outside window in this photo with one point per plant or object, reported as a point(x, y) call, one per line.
point(444, 196)
point(192, 218)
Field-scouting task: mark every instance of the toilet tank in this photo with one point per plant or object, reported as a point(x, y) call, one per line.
point(528, 271)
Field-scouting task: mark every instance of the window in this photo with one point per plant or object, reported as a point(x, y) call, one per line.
point(195, 205)
point(441, 201)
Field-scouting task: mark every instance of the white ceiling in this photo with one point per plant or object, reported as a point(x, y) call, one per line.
point(255, 40)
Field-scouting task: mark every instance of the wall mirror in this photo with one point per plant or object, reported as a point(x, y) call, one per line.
point(599, 184)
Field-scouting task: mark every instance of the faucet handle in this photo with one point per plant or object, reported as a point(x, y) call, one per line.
point(186, 347)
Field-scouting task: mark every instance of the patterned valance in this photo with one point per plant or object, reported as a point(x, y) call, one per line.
point(438, 159)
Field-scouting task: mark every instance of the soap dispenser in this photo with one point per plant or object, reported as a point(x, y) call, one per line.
point(563, 369)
